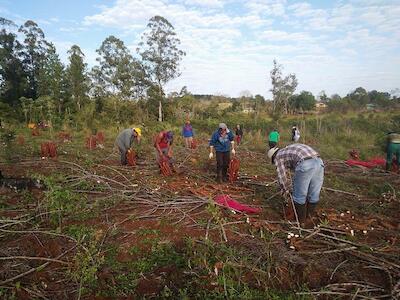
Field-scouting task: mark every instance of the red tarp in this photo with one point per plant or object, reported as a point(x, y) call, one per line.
point(372, 163)
point(227, 201)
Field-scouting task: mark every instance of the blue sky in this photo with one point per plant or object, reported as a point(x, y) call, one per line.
point(333, 45)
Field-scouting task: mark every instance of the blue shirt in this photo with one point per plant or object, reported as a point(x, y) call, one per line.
point(187, 131)
point(221, 144)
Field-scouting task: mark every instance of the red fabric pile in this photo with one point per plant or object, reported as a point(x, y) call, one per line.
point(372, 163)
point(227, 201)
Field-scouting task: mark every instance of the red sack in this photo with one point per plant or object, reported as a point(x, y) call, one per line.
point(194, 143)
point(48, 149)
point(233, 170)
point(372, 163)
point(131, 158)
point(100, 137)
point(91, 142)
point(227, 201)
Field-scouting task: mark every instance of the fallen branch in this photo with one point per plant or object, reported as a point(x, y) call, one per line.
point(41, 267)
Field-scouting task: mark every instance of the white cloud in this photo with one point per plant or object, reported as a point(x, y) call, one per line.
point(207, 3)
point(230, 49)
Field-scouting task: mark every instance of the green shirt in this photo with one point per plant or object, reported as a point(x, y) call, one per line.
point(273, 136)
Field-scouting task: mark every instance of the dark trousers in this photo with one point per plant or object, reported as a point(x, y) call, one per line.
point(123, 156)
point(223, 159)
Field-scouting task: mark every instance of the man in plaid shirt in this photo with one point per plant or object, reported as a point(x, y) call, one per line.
point(308, 170)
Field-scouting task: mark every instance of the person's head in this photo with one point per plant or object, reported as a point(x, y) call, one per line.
point(169, 136)
point(222, 127)
point(187, 122)
point(272, 153)
point(137, 133)
point(238, 126)
point(275, 129)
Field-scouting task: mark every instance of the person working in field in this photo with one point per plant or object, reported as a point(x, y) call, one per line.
point(222, 142)
point(308, 170)
point(239, 134)
point(163, 145)
point(295, 134)
point(273, 138)
point(392, 147)
point(187, 133)
point(125, 140)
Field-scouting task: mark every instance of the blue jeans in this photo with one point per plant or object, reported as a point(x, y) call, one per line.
point(308, 179)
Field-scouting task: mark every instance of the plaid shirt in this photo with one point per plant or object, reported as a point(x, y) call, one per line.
point(288, 158)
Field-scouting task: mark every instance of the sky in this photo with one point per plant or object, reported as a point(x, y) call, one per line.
point(333, 46)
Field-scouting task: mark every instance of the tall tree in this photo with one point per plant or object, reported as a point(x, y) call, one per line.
point(77, 76)
point(52, 79)
point(282, 88)
point(120, 73)
point(304, 101)
point(159, 49)
point(35, 48)
point(12, 73)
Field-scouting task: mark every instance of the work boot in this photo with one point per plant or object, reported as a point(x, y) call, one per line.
point(310, 222)
point(311, 210)
point(301, 211)
point(225, 175)
point(219, 177)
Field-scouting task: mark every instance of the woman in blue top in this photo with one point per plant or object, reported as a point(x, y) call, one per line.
point(222, 141)
point(187, 132)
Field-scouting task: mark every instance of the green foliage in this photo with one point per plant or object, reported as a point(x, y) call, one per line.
point(282, 88)
point(77, 77)
point(87, 261)
point(303, 102)
point(61, 202)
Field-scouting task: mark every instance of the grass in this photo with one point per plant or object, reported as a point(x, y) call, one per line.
point(194, 261)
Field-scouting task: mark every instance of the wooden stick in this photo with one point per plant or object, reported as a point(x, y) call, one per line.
point(35, 258)
point(41, 267)
point(340, 191)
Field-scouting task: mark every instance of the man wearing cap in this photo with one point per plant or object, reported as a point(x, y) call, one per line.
point(222, 141)
point(295, 134)
point(308, 170)
point(125, 140)
point(163, 144)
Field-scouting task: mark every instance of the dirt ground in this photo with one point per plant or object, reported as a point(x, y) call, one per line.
point(98, 230)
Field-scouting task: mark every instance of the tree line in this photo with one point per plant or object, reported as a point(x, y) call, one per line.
point(34, 81)
point(35, 85)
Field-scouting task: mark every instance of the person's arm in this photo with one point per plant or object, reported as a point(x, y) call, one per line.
point(212, 143)
point(158, 140)
point(232, 139)
point(169, 149)
point(282, 177)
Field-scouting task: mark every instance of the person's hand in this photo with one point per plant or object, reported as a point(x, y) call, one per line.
point(233, 151)
point(211, 155)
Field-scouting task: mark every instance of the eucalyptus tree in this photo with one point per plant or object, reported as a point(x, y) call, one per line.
point(282, 89)
point(34, 52)
point(159, 49)
point(118, 73)
point(78, 81)
point(52, 79)
point(13, 80)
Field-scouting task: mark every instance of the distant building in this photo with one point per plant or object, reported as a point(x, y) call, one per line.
point(320, 105)
point(224, 105)
point(248, 110)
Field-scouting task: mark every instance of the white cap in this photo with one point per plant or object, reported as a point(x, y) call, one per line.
point(272, 151)
point(222, 126)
